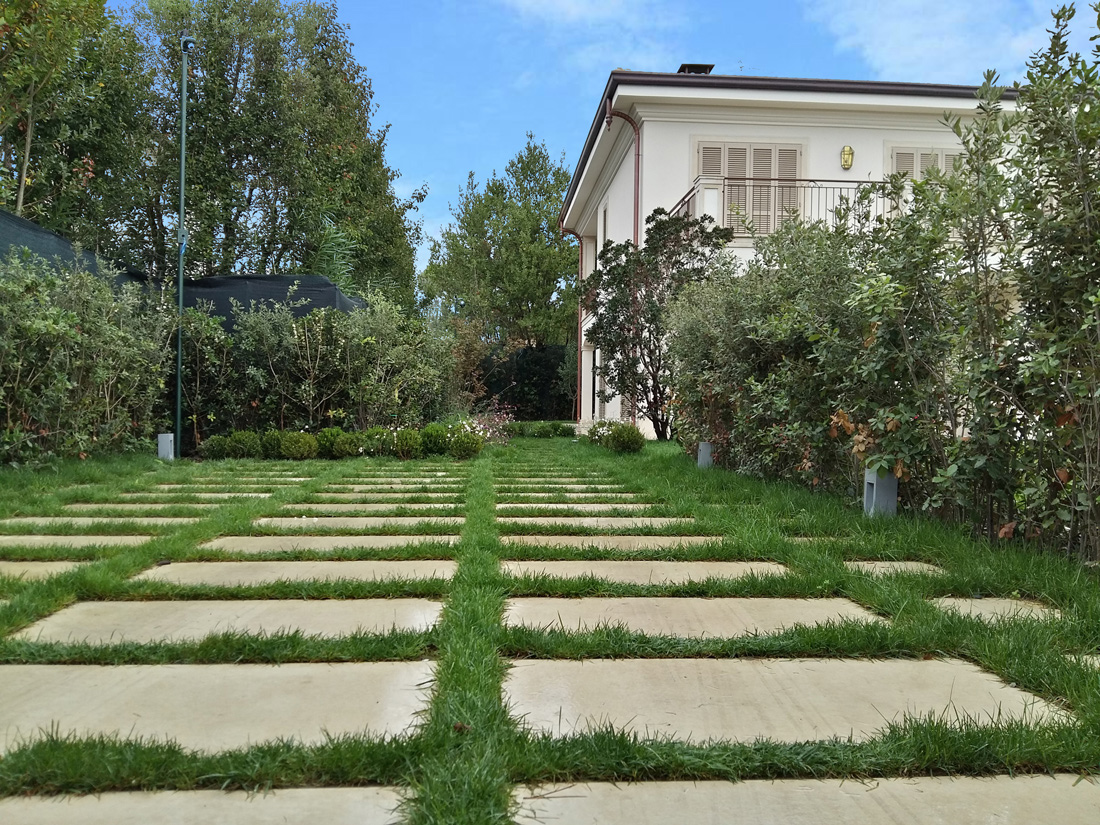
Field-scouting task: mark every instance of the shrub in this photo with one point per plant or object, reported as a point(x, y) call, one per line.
point(347, 445)
point(564, 430)
point(298, 446)
point(624, 438)
point(326, 441)
point(599, 430)
point(243, 444)
point(214, 447)
point(378, 441)
point(516, 429)
point(407, 444)
point(466, 444)
point(434, 439)
point(271, 445)
point(542, 429)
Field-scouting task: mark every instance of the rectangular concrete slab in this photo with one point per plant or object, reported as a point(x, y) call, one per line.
point(1004, 800)
point(384, 497)
point(248, 573)
point(214, 488)
point(644, 572)
point(72, 541)
point(574, 507)
point(138, 507)
point(518, 497)
point(93, 521)
point(995, 609)
point(332, 806)
point(286, 544)
point(403, 480)
point(356, 523)
point(884, 568)
point(595, 489)
point(365, 507)
point(199, 495)
point(100, 623)
point(787, 700)
point(686, 617)
point(595, 522)
point(35, 569)
point(405, 489)
point(552, 480)
point(611, 542)
point(212, 707)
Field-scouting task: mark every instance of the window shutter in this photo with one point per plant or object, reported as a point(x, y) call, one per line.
point(786, 196)
point(949, 159)
point(737, 192)
point(762, 167)
point(928, 160)
point(710, 161)
point(905, 160)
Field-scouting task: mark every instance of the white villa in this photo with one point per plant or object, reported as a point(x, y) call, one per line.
point(733, 147)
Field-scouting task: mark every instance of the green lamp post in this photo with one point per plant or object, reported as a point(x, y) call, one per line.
point(186, 44)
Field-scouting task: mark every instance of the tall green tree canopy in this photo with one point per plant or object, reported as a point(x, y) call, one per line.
point(502, 264)
point(285, 171)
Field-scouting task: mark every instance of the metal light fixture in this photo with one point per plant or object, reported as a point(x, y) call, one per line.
point(847, 155)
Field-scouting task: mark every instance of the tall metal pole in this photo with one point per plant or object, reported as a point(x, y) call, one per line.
point(186, 44)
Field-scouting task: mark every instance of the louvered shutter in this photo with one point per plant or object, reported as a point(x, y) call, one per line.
point(710, 161)
point(763, 159)
point(949, 159)
point(737, 191)
point(928, 160)
point(786, 195)
point(905, 160)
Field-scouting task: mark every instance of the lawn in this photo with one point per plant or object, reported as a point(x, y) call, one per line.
point(467, 754)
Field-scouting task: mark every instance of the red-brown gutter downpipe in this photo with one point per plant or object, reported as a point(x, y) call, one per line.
point(580, 317)
point(611, 113)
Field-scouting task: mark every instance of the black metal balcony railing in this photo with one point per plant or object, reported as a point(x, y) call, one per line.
point(768, 203)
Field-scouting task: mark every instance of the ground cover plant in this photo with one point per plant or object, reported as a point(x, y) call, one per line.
point(467, 754)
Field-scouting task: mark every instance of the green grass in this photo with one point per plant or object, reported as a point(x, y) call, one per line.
point(465, 756)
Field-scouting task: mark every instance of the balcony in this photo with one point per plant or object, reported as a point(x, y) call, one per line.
point(768, 203)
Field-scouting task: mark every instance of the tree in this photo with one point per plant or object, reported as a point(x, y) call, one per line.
point(629, 294)
point(502, 264)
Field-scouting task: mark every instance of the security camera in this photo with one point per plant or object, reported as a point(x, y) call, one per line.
point(187, 43)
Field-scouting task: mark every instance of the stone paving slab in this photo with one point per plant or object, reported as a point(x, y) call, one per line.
point(204, 496)
point(72, 541)
point(644, 572)
point(611, 542)
point(205, 487)
point(997, 608)
point(407, 489)
point(443, 498)
point(577, 507)
point(685, 617)
point(515, 497)
point(504, 480)
point(881, 568)
point(332, 806)
point(138, 507)
point(594, 489)
point(354, 523)
point(35, 569)
point(365, 507)
point(1018, 800)
point(92, 521)
point(248, 573)
point(212, 707)
point(375, 481)
point(788, 700)
point(597, 522)
point(286, 544)
point(100, 623)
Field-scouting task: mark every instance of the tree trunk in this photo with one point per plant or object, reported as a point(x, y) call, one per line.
point(26, 155)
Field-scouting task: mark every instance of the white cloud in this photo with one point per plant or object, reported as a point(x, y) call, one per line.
point(596, 36)
point(620, 13)
point(945, 41)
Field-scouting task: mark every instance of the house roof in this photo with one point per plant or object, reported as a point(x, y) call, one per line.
point(713, 82)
